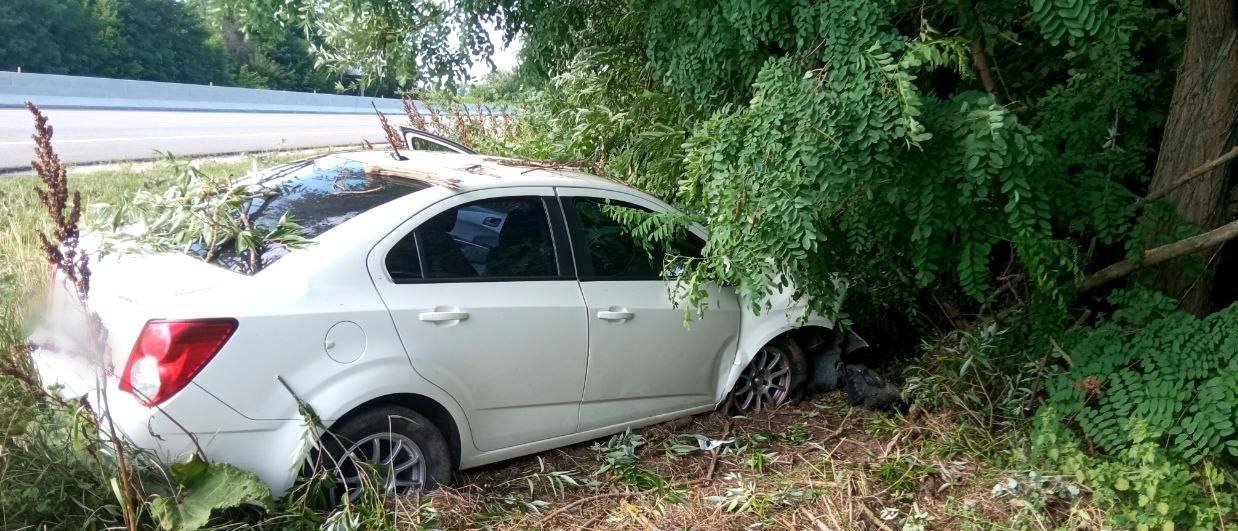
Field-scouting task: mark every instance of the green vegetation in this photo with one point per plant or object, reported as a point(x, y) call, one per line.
point(956, 180)
point(156, 40)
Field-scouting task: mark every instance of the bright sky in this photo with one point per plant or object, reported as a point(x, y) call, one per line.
point(504, 56)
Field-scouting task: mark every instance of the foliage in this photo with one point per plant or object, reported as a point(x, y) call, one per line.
point(29, 40)
point(839, 149)
point(1150, 364)
point(156, 40)
point(207, 487)
point(976, 372)
point(1143, 487)
point(621, 463)
point(499, 87)
point(419, 43)
point(598, 114)
point(53, 471)
point(278, 59)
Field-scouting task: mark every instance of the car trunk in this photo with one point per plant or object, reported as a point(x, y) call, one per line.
point(125, 292)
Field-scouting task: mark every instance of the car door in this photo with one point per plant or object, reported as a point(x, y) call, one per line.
point(483, 293)
point(643, 361)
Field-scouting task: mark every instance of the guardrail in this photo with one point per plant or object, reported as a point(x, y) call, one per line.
point(57, 91)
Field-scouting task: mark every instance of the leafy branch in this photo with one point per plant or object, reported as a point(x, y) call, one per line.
point(199, 215)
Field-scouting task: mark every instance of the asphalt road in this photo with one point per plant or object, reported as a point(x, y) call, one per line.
point(95, 136)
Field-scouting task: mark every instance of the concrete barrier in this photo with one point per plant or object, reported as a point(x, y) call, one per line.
point(57, 91)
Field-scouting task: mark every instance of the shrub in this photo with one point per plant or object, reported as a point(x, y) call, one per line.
point(1142, 486)
point(1153, 364)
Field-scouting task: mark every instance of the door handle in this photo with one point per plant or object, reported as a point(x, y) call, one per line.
point(438, 317)
point(614, 315)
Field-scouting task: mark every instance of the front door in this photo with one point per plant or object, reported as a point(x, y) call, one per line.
point(643, 360)
point(487, 305)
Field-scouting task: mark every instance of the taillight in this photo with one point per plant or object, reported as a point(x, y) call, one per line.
point(168, 354)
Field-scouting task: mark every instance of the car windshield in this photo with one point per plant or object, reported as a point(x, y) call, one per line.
point(318, 194)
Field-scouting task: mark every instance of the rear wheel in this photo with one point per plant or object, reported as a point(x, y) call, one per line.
point(393, 450)
point(771, 379)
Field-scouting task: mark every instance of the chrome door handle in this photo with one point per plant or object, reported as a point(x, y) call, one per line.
point(438, 317)
point(613, 315)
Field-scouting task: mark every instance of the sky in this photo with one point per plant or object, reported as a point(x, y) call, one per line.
point(505, 57)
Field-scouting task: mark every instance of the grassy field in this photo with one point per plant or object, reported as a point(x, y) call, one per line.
point(818, 464)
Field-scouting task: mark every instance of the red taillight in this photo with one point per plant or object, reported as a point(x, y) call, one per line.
point(168, 354)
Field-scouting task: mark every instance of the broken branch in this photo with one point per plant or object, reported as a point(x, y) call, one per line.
point(426, 177)
point(1187, 177)
point(1161, 254)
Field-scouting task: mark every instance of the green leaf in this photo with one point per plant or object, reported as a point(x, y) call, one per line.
point(205, 488)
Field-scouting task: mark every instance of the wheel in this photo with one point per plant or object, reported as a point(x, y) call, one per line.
point(772, 378)
point(393, 449)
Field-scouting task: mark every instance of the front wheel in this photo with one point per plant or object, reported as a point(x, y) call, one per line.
point(392, 450)
point(771, 378)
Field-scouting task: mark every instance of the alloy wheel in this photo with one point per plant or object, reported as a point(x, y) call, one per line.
point(389, 461)
point(765, 382)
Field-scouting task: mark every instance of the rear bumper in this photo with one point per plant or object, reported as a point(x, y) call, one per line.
point(272, 449)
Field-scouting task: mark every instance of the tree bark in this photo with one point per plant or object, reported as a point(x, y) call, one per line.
point(1199, 129)
point(981, 58)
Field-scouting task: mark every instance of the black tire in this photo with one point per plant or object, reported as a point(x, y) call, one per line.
point(788, 349)
point(391, 426)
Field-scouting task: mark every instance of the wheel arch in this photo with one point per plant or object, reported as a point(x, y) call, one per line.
point(439, 415)
point(770, 330)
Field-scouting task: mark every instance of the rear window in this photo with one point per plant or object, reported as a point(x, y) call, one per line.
point(319, 195)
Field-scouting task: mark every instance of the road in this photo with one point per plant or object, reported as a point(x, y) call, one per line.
point(94, 136)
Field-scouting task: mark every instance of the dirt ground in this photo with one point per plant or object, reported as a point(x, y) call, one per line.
point(818, 464)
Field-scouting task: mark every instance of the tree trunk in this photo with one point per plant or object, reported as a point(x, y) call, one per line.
point(1200, 128)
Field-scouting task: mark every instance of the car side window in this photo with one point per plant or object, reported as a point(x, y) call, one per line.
point(611, 252)
point(491, 239)
point(402, 262)
point(421, 144)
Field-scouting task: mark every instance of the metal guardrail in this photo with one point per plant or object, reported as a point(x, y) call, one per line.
point(58, 91)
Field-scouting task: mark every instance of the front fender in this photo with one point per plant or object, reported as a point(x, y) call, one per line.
point(757, 330)
point(780, 314)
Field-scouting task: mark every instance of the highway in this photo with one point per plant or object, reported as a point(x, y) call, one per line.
point(94, 136)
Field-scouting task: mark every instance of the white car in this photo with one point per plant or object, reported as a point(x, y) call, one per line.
point(431, 327)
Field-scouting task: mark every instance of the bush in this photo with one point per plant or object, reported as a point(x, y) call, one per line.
point(1151, 363)
point(1143, 486)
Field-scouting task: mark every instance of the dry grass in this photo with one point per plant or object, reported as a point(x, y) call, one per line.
point(827, 466)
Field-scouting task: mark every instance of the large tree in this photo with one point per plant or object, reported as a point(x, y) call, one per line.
point(1199, 129)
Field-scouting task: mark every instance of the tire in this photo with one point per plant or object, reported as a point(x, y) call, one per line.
point(773, 377)
point(411, 452)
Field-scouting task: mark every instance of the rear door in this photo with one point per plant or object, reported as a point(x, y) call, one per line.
point(643, 361)
point(483, 293)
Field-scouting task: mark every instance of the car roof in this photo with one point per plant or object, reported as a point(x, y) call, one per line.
point(466, 172)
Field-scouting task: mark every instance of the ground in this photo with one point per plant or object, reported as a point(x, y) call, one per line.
point(818, 464)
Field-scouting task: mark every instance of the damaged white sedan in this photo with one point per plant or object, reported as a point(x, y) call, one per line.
point(452, 310)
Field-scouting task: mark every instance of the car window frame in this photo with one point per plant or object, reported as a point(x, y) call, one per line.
point(575, 229)
point(565, 266)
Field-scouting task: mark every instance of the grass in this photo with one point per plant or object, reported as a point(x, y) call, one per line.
point(815, 465)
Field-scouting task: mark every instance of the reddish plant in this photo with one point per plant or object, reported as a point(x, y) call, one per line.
point(393, 136)
point(462, 128)
point(65, 209)
point(414, 116)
